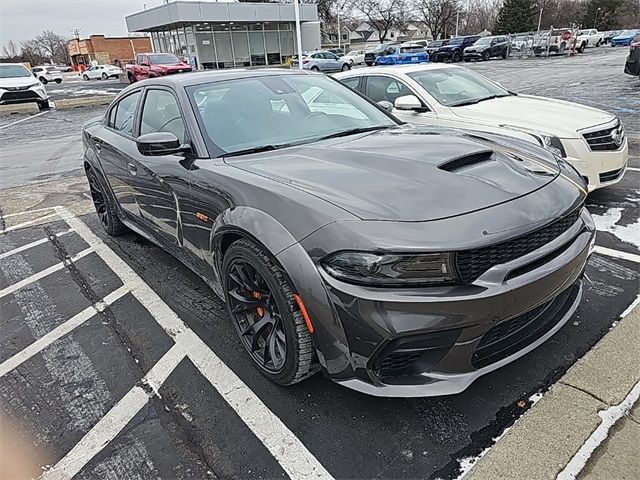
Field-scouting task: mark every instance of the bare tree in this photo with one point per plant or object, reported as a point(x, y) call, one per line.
point(439, 16)
point(11, 51)
point(32, 52)
point(479, 15)
point(53, 46)
point(383, 15)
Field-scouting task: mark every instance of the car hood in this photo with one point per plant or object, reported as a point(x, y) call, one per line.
point(543, 115)
point(17, 82)
point(409, 173)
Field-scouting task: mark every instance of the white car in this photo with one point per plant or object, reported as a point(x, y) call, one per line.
point(47, 73)
point(591, 140)
point(102, 71)
point(590, 37)
point(17, 85)
point(354, 57)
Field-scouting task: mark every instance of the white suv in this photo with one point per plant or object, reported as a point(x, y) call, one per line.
point(47, 73)
point(17, 85)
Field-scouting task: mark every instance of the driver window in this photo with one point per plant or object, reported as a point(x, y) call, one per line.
point(160, 113)
point(385, 89)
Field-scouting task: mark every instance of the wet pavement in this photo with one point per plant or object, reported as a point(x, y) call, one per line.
point(121, 363)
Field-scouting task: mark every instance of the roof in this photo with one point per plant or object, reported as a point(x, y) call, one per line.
point(404, 69)
point(197, 78)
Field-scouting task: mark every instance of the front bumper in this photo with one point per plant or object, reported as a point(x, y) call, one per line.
point(33, 94)
point(598, 168)
point(541, 289)
point(472, 55)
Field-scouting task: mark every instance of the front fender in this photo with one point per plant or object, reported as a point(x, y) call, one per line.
point(329, 337)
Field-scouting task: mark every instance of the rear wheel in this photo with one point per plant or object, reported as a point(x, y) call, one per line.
point(456, 57)
point(264, 312)
point(58, 80)
point(104, 76)
point(131, 77)
point(43, 80)
point(486, 55)
point(105, 207)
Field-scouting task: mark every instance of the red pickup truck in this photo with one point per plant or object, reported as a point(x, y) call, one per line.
point(149, 65)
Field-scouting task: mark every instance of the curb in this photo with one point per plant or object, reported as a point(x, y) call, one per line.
point(69, 103)
point(551, 434)
point(19, 108)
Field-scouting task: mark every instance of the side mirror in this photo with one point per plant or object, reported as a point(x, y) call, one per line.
point(160, 143)
point(388, 106)
point(409, 102)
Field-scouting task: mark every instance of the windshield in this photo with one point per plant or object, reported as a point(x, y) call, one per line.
point(279, 111)
point(14, 71)
point(382, 47)
point(452, 86)
point(164, 59)
point(484, 41)
point(456, 41)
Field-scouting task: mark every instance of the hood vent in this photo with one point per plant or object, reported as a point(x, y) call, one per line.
point(466, 161)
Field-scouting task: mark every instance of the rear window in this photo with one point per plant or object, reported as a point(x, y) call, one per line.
point(416, 49)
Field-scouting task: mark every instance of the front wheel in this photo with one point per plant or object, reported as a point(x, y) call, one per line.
point(264, 311)
point(43, 80)
point(104, 76)
point(58, 80)
point(345, 67)
point(486, 56)
point(43, 105)
point(456, 57)
point(105, 207)
point(131, 77)
point(315, 69)
point(85, 77)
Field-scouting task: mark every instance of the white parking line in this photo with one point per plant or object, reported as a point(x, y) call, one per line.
point(60, 331)
point(27, 223)
point(116, 419)
point(635, 169)
point(296, 460)
point(23, 120)
point(27, 212)
point(617, 254)
point(31, 245)
point(43, 273)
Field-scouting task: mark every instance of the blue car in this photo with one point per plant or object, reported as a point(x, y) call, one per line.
point(403, 54)
point(624, 39)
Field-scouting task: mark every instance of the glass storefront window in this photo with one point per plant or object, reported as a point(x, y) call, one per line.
point(206, 49)
point(241, 48)
point(273, 48)
point(286, 45)
point(270, 26)
point(223, 49)
point(285, 26)
point(256, 48)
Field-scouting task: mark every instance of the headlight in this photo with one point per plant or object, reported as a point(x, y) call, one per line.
point(554, 145)
point(392, 270)
point(36, 84)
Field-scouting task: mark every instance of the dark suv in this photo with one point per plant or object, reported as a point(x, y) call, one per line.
point(453, 50)
point(371, 55)
point(632, 66)
point(487, 47)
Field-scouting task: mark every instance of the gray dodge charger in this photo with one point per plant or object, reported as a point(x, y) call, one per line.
point(397, 260)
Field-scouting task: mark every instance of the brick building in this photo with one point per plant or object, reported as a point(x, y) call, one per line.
point(106, 51)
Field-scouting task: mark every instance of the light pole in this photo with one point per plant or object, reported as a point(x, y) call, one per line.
point(540, 19)
point(339, 11)
point(457, 18)
point(595, 21)
point(296, 7)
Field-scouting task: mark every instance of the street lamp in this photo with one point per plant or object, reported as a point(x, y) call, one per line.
point(595, 21)
point(296, 7)
point(339, 35)
point(540, 20)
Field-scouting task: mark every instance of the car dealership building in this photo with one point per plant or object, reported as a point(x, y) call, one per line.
point(228, 34)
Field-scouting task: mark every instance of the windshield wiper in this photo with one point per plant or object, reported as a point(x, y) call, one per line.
point(247, 151)
point(354, 131)
point(478, 100)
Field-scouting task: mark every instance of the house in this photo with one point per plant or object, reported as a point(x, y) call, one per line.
point(362, 34)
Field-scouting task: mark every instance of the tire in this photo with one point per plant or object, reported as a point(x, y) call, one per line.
point(314, 69)
point(104, 76)
point(131, 77)
point(466, 60)
point(486, 55)
point(85, 77)
point(43, 105)
point(346, 67)
point(104, 205)
point(505, 54)
point(456, 57)
point(244, 259)
point(43, 80)
point(58, 80)
point(598, 43)
point(581, 48)
point(369, 63)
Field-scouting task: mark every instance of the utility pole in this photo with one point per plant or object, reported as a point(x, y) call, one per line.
point(595, 21)
point(296, 7)
point(457, 18)
point(76, 33)
point(540, 19)
point(339, 30)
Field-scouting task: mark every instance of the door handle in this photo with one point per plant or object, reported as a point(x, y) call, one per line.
point(133, 170)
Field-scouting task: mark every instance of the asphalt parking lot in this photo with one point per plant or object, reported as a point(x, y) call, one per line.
point(73, 86)
point(118, 362)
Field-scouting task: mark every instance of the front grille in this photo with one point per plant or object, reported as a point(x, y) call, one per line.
point(610, 138)
point(473, 263)
point(10, 97)
point(511, 336)
point(18, 89)
point(612, 175)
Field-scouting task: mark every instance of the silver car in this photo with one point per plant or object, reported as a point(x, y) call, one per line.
point(322, 61)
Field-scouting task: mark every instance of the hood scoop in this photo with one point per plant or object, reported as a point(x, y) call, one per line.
point(461, 163)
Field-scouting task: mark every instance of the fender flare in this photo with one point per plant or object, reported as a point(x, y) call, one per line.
point(329, 338)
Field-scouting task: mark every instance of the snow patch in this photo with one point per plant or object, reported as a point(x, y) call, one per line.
point(608, 222)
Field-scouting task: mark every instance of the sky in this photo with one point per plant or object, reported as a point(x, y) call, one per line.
point(24, 19)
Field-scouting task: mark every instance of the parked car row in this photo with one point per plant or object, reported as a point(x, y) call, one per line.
point(404, 235)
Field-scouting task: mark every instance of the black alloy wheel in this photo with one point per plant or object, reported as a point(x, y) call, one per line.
point(85, 77)
point(103, 205)
point(265, 314)
point(456, 57)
